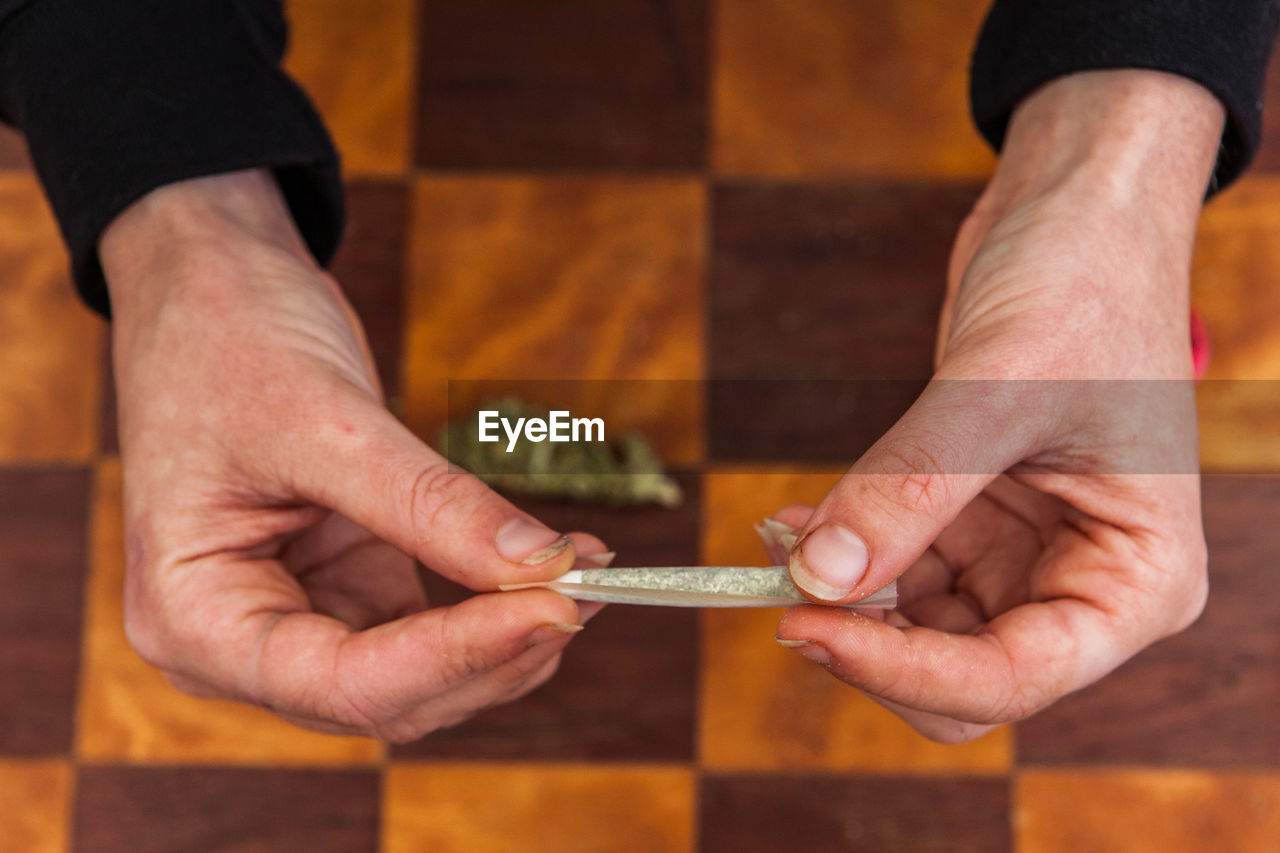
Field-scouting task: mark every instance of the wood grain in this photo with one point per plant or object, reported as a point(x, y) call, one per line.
point(835, 812)
point(357, 64)
point(568, 86)
point(459, 808)
point(370, 268)
point(37, 805)
point(560, 279)
point(163, 809)
point(829, 281)
point(1267, 158)
point(632, 197)
point(43, 514)
point(13, 150)
point(829, 89)
point(1146, 811)
point(1235, 289)
point(49, 342)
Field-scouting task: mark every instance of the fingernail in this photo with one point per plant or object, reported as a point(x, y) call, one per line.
point(523, 541)
point(829, 562)
point(552, 631)
point(601, 560)
point(813, 651)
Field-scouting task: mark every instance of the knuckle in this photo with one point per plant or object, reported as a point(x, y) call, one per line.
point(1018, 695)
point(144, 638)
point(909, 476)
point(144, 613)
point(401, 729)
point(448, 720)
point(1193, 594)
point(1025, 702)
point(397, 735)
point(521, 673)
point(458, 659)
point(354, 709)
point(951, 732)
point(469, 662)
point(143, 627)
point(436, 491)
point(192, 687)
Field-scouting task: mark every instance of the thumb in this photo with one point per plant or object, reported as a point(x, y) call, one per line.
point(373, 470)
point(895, 500)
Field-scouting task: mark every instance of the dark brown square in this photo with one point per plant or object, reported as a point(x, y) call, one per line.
point(13, 150)
point(830, 281)
point(744, 814)
point(139, 810)
point(837, 285)
point(755, 420)
point(370, 268)
point(568, 84)
point(1267, 158)
point(43, 522)
point(1206, 697)
point(626, 689)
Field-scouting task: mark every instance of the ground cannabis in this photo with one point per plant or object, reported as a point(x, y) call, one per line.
point(622, 471)
point(768, 582)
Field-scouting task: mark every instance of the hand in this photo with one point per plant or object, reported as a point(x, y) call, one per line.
point(271, 500)
point(1044, 530)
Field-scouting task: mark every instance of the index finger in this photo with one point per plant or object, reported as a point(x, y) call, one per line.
point(372, 469)
point(395, 680)
point(1021, 662)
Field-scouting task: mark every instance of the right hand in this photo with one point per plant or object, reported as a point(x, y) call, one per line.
point(1040, 502)
point(274, 508)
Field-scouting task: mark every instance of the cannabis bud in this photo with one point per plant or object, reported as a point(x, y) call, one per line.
point(616, 472)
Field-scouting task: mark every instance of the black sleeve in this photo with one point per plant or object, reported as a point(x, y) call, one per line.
point(118, 98)
point(1221, 44)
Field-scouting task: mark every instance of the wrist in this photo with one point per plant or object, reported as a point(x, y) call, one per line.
point(197, 221)
point(1129, 141)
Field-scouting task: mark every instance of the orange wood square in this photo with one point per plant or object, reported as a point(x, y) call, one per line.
point(829, 88)
point(1236, 288)
point(1146, 811)
point(37, 805)
point(561, 278)
point(50, 344)
point(478, 808)
point(357, 64)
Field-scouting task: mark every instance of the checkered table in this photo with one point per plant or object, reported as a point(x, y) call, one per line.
point(744, 189)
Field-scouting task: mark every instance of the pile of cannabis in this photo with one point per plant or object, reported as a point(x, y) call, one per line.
point(622, 472)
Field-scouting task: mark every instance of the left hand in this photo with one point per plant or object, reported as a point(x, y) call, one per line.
point(1043, 531)
point(274, 508)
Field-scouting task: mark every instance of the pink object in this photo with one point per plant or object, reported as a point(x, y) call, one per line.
point(1199, 345)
